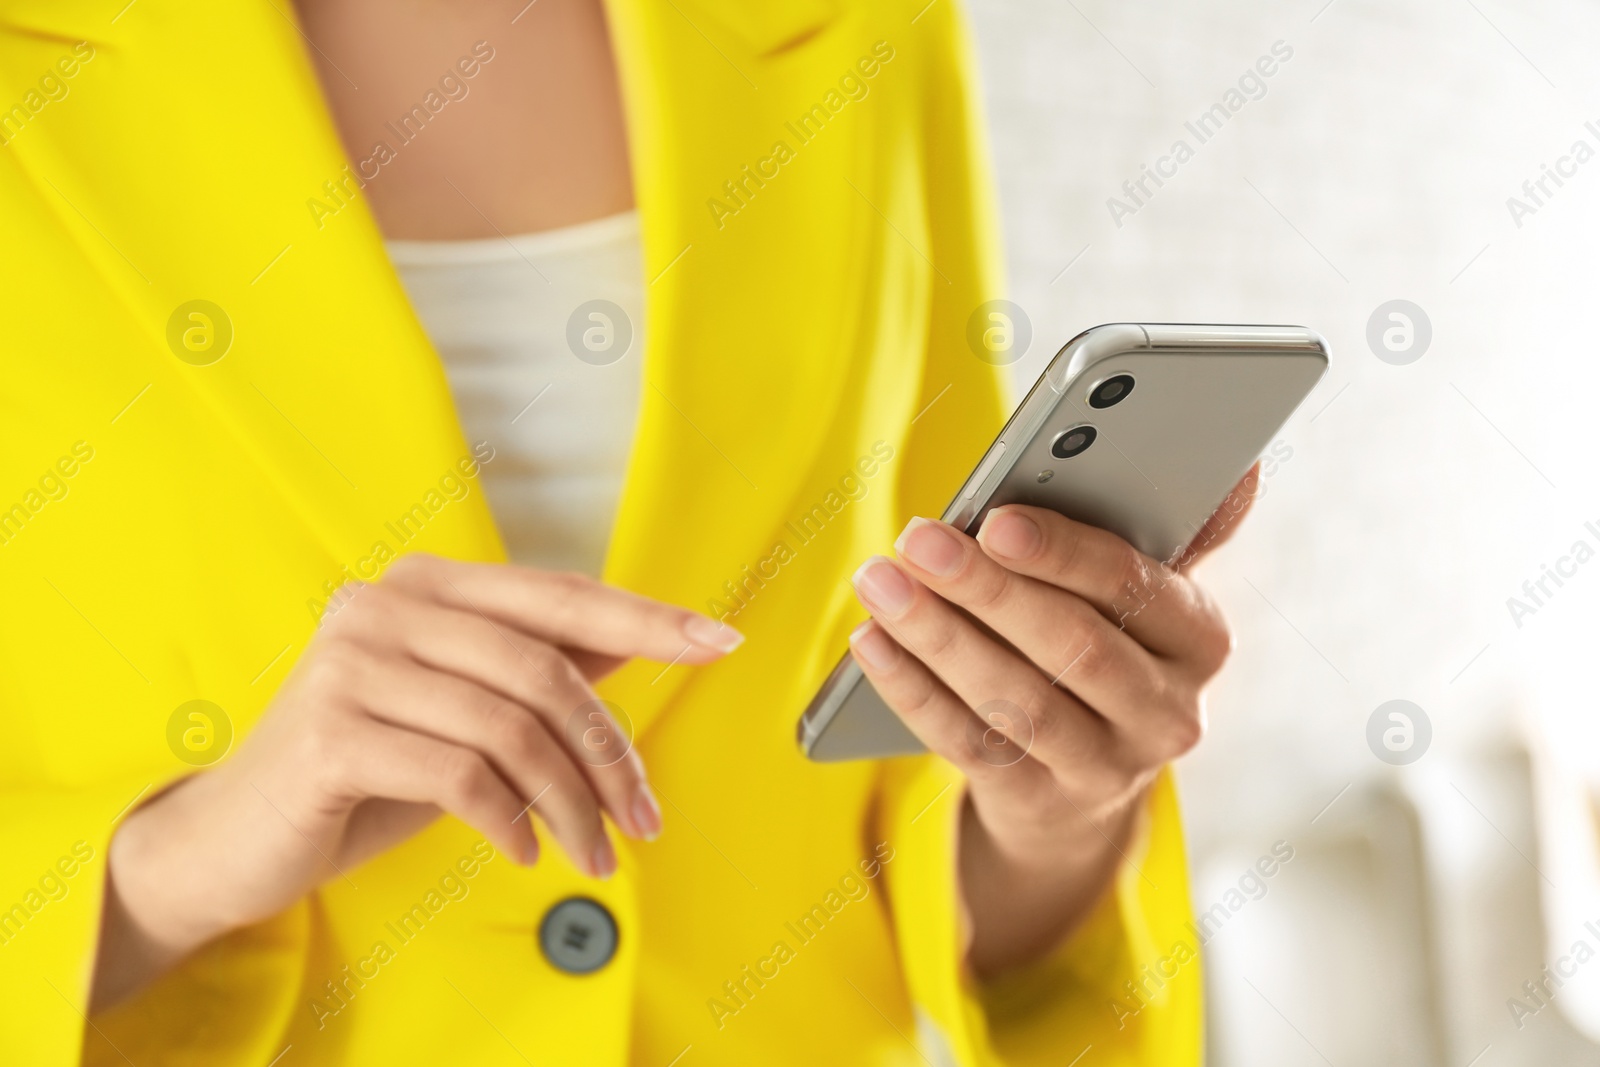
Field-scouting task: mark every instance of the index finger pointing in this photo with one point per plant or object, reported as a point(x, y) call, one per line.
point(569, 610)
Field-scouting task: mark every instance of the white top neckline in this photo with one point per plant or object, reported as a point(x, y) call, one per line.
point(563, 239)
point(511, 319)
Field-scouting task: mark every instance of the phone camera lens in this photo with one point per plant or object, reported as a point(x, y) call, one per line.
point(1073, 442)
point(1114, 390)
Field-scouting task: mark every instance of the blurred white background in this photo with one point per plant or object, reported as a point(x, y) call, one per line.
point(1417, 500)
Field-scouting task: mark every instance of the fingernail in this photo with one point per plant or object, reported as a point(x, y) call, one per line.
point(530, 852)
point(646, 813)
point(874, 646)
point(710, 633)
point(1010, 534)
point(931, 546)
point(882, 587)
point(604, 862)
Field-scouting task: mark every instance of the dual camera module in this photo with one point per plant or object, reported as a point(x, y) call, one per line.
point(1107, 393)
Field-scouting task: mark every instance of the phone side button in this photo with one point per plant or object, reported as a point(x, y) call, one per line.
point(985, 469)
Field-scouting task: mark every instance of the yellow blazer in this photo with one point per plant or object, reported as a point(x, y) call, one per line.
point(179, 494)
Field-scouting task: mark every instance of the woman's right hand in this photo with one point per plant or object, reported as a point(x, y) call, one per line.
point(444, 686)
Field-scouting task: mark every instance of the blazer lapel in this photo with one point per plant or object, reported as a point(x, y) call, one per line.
point(747, 353)
point(331, 385)
point(328, 382)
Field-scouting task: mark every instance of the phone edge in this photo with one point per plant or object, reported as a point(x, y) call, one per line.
point(1084, 351)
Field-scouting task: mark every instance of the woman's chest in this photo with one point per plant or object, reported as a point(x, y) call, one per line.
point(477, 119)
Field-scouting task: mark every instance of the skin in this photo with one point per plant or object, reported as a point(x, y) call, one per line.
point(537, 142)
point(443, 687)
point(448, 687)
point(1096, 682)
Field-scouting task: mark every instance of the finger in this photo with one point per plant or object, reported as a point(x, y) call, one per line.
point(1224, 522)
point(1117, 692)
point(977, 668)
point(541, 678)
point(569, 609)
point(508, 737)
point(1065, 637)
point(382, 761)
point(980, 743)
point(594, 665)
point(1154, 603)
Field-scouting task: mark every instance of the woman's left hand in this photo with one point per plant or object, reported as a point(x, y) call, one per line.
point(1060, 727)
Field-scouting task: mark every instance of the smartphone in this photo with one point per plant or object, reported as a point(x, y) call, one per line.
point(1140, 429)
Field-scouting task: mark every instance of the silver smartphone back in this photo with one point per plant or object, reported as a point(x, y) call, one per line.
point(1149, 461)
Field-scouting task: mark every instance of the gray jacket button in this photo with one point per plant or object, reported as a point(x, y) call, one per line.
point(578, 936)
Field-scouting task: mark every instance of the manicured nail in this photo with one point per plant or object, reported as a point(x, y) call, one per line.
point(873, 645)
point(931, 546)
point(604, 862)
point(1010, 534)
point(882, 587)
point(646, 813)
point(710, 633)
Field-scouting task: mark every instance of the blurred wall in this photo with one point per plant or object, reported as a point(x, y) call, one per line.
point(1374, 164)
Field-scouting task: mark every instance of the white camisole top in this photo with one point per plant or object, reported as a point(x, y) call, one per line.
point(541, 337)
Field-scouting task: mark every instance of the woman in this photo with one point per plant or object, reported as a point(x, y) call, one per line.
point(262, 631)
